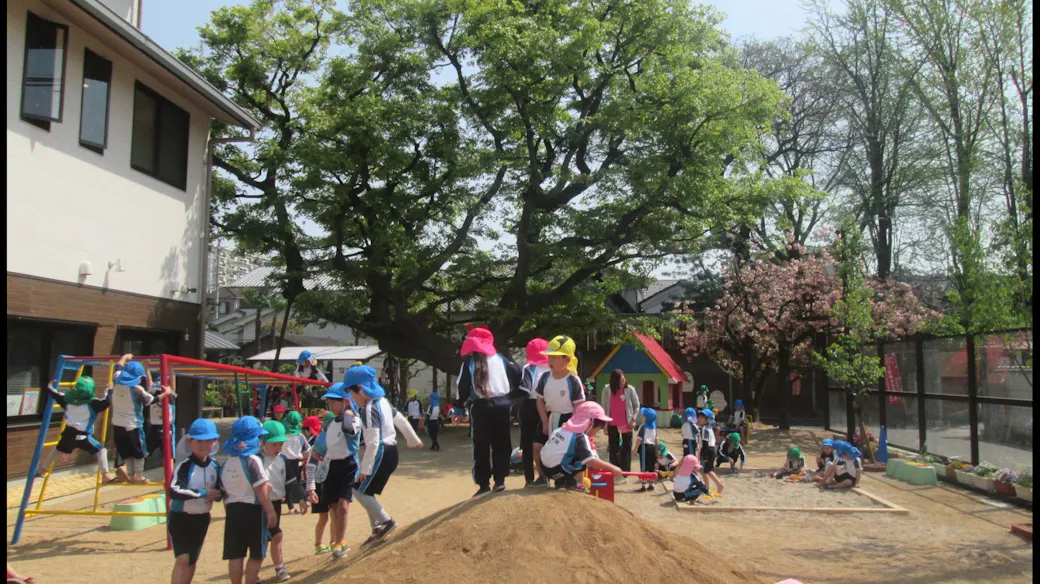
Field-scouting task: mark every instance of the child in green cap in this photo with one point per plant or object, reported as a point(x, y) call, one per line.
point(275, 463)
point(730, 451)
point(295, 449)
point(794, 464)
point(81, 409)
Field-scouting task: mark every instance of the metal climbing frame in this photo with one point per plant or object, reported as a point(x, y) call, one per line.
point(169, 367)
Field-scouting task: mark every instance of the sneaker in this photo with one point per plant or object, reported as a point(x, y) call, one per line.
point(282, 575)
point(650, 487)
point(321, 549)
point(499, 488)
point(340, 551)
point(481, 491)
point(642, 489)
point(542, 482)
point(384, 530)
point(620, 480)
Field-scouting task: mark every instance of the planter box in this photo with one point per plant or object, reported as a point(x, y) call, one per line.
point(919, 474)
point(1024, 493)
point(951, 474)
point(940, 469)
point(1004, 488)
point(985, 483)
point(894, 467)
point(963, 478)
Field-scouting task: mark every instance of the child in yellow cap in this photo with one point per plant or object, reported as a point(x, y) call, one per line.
point(560, 390)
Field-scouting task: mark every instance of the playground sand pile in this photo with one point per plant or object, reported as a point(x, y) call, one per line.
point(533, 537)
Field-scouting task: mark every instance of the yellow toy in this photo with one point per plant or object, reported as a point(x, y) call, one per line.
point(587, 483)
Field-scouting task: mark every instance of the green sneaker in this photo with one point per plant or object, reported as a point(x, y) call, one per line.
point(321, 549)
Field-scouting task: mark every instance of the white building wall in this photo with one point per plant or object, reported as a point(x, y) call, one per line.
point(128, 10)
point(67, 204)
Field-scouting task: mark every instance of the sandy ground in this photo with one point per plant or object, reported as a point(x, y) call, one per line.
point(754, 488)
point(950, 535)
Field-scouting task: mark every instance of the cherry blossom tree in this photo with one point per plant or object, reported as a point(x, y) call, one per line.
point(771, 312)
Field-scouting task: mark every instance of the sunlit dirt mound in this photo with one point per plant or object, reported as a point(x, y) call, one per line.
point(533, 537)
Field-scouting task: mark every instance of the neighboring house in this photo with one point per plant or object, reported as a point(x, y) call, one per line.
point(106, 197)
point(226, 266)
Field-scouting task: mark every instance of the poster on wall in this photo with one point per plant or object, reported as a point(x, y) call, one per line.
point(30, 398)
point(14, 404)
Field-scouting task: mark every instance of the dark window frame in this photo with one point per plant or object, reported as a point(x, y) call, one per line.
point(47, 361)
point(44, 123)
point(161, 103)
point(89, 145)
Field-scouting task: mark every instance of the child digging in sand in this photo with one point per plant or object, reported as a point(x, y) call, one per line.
point(569, 450)
point(794, 464)
point(687, 488)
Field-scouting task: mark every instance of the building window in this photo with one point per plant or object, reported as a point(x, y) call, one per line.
point(159, 146)
point(33, 349)
point(147, 343)
point(93, 115)
point(43, 73)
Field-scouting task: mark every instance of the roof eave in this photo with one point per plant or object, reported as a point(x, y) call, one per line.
point(148, 47)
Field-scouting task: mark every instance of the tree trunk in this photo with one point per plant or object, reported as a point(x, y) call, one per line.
point(402, 376)
point(784, 386)
point(857, 407)
point(281, 334)
point(256, 332)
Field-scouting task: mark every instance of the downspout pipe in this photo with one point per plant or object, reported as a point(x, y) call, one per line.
point(204, 284)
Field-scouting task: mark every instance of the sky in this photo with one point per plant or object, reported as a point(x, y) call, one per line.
point(173, 23)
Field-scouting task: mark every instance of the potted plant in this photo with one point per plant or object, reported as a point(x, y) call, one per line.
point(961, 474)
point(1004, 481)
point(984, 474)
point(939, 462)
point(1024, 486)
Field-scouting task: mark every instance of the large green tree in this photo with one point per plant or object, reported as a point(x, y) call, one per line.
point(515, 161)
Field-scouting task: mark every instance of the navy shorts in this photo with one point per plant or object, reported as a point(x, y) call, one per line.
point(386, 464)
point(245, 532)
point(707, 459)
point(340, 482)
point(129, 442)
point(71, 439)
point(188, 533)
point(321, 506)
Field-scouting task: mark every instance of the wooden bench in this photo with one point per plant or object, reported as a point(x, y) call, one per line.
point(212, 412)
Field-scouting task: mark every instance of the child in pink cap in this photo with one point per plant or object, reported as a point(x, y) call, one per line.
point(569, 449)
point(537, 366)
point(687, 487)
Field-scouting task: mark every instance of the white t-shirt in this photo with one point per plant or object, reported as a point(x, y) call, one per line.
point(192, 480)
point(433, 412)
point(128, 405)
point(849, 467)
point(275, 467)
point(706, 435)
point(647, 435)
point(567, 450)
point(240, 475)
point(414, 409)
point(689, 430)
point(738, 418)
point(498, 379)
point(794, 465)
point(295, 446)
point(559, 394)
point(530, 376)
point(377, 419)
point(342, 437)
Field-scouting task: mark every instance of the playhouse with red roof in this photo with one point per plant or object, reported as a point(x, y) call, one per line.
point(649, 369)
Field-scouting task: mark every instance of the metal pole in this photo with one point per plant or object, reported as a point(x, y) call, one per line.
point(104, 436)
point(973, 400)
point(167, 433)
point(922, 422)
point(34, 464)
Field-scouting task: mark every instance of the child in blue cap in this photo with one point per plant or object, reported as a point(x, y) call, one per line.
point(153, 439)
point(706, 451)
point(249, 512)
point(847, 468)
point(195, 486)
point(689, 432)
point(128, 402)
point(645, 446)
point(340, 445)
point(738, 420)
point(379, 422)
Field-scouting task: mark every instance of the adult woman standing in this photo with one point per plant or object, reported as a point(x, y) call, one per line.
point(486, 380)
point(622, 405)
